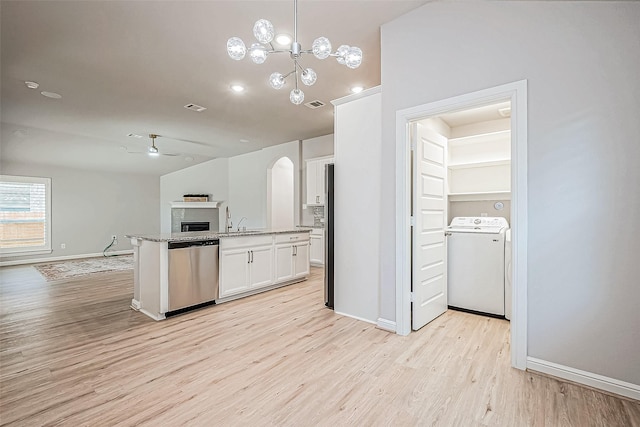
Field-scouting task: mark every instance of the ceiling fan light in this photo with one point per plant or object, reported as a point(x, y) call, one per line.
point(276, 80)
point(258, 53)
point(309, 77)
point(353, 59)
point(321, 48)
point(263, 31)
point(153, 150)
point(236, 48)
point(342, 53)
point(296, 96)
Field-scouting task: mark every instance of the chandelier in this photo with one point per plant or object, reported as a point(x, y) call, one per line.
point(264, 33)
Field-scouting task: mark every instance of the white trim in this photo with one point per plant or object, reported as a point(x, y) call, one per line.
point(155, 317)
point(353, 97)
point(135, 304)
point(356, 317)
point(589, 379)
point(517, 93)
point(61, 258)
point(386, 324)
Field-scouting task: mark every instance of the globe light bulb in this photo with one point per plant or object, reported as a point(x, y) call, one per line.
point(276, 80)
point(258, 53)
point(353, 59)
point(296, 96)
point(342, 53)
point(309, 77)
point(263, 31)
point(236, 48)
point(321, 48)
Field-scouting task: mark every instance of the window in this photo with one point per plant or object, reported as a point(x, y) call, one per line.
point(25, 214)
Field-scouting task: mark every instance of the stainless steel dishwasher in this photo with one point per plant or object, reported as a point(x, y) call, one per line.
point(193, 273)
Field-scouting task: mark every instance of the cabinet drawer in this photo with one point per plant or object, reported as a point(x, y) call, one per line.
point(245, 241)
point(291, 238)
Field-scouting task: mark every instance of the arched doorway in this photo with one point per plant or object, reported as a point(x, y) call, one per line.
point(280, 194)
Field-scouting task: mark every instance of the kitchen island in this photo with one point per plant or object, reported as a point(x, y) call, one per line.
point(242, 263)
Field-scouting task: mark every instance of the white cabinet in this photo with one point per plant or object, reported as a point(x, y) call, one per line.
point(316, 246)
point(315, 180)
point(246, 263)
point(291, 256)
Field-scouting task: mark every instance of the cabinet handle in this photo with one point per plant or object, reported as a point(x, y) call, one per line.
point(317, 199)
point(248, 257)
point(295, 250)
point(251, 256)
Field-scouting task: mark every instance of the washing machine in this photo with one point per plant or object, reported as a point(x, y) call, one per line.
point(476, 267)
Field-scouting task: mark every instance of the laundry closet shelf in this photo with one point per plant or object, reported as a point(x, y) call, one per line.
point(479, 196)
point(482, 164)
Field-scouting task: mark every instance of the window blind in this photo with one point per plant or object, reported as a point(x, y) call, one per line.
point(24, 214)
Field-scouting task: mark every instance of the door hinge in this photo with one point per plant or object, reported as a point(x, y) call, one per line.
point(412, 221)
point(412, 297)
point(413, 144)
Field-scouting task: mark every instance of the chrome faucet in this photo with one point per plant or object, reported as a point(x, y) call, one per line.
point(240, 222)
point(227, 221)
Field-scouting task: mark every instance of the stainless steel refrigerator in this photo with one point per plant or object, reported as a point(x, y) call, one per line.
point(329, 225)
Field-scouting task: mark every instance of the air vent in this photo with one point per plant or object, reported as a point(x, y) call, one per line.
point(194, 107)
point(134, 135)
point(315, 104)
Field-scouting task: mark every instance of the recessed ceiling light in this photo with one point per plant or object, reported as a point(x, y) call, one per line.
point(237, 88)
point(283, 39)
point(357, 89)
point(244, 140)
point(52, 95)
point(32, 85)
point(134, 135)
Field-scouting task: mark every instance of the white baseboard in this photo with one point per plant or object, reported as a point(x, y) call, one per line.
point(62, 258)
point(355, 317)
point(135, 304)
point(590, 379)
point(386, 324)
point(154, 316)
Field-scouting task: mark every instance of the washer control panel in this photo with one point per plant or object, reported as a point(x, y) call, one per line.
point(478, 222)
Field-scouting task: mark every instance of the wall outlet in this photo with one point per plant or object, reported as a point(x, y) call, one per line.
point(483, 214)
point(63, 245)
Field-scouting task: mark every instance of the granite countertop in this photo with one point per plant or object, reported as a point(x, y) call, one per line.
point(210, 235)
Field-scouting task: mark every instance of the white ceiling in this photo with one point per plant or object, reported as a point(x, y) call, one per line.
point(130, 67)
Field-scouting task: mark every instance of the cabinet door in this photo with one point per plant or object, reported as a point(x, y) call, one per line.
point(234, 271)
point(312, 167)
point(284, 263)
point(301, 259)
point(261, 266)
point(320, 181)
point(316, 249)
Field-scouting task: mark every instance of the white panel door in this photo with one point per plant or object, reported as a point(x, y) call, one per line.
point(234, 271)
point(300, 259)
point(429, 276)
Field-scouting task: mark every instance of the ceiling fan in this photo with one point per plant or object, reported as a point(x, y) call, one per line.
point(152, 150)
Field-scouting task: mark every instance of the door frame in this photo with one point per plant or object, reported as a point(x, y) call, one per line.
point(516, 92)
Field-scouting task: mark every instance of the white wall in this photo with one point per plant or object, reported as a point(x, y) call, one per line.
point(87, 207)
point(357, 205)
point(248, 183)
point(210, 177)
point(582, 61)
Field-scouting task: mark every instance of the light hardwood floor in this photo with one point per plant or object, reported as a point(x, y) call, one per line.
point(73, 353)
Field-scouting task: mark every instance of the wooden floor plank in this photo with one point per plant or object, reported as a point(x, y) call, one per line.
point(73, 353)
